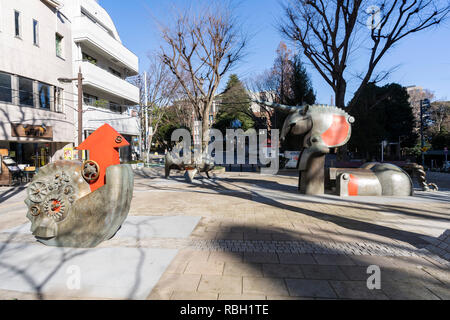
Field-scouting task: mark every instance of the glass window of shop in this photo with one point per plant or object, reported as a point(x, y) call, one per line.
point(32, 154)
point(5, 88)
point(26, 92)
point(44, 96)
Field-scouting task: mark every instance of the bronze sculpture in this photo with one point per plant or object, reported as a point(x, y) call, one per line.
point(174, 161)
point(75, 204)
point(322, 128)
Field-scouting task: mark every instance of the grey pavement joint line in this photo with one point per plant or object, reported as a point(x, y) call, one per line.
point(293, 247)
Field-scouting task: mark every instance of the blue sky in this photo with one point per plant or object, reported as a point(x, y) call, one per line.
point(422, 59)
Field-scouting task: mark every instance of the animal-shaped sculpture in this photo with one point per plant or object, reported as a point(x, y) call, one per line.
point(321, 128)
point(174, 160)
point(74, 204)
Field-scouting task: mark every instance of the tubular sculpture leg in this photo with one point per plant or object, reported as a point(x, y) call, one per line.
point(312, 180)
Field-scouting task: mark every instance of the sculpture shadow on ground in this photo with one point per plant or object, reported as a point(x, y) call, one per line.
point(217, 187)
point(326, 276)
point(33, 286)
point(10, 192)
point(406, 278)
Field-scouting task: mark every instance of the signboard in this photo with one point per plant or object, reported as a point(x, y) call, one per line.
point(68, 153)
point(293, 157)
point(196, 131)
point(31, 131)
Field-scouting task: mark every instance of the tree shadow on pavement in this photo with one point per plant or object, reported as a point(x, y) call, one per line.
point(274, 270)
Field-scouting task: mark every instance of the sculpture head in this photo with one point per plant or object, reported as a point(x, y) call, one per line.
point(52, 194)
point(331, 128)
point(321, 128)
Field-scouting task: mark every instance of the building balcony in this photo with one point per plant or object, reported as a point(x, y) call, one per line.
point(94, 118)
point(102, 80)
point(93, 36)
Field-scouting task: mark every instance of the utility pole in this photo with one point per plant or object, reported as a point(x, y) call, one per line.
point(80, 113)
point(146, 116)
point(423, 103)
point(79, 80)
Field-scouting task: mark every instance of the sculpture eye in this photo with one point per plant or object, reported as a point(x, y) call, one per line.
point(119, 139)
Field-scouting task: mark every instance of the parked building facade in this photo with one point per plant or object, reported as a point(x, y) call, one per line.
point(105, 63)
point(36, 110)
point(44, 41)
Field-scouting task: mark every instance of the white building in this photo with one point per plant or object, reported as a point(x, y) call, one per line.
point(42, 41)
point(36, 118)
point(105, 64)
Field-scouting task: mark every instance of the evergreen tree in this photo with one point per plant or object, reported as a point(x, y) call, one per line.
point(300, 84)
point(234, 105)
point(381, 113)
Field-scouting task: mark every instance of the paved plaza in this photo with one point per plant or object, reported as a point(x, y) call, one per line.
point(239, 236)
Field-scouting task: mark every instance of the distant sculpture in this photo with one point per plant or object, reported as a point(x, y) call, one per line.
point(75, 204)
point(322, 128)
point(417, 171)
point(174, 160)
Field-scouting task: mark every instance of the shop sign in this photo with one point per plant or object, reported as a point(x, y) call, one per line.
point(31, 131)
point(68, 153)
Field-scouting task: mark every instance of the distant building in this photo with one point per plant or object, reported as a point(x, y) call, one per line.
point(417, 93)
point(262, 112)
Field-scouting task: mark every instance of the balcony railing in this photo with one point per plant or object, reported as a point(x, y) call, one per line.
point(92, 35)
point(105, 104)
point(103, 80)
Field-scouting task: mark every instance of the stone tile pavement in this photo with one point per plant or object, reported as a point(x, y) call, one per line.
point(257, 238)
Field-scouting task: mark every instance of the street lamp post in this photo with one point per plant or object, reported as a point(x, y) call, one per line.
point(423, 103)
point(79, 79)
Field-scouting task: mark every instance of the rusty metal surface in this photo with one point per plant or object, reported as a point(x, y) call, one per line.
point(65, 213)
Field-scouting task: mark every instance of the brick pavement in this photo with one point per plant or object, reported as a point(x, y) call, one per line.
point(259, 239)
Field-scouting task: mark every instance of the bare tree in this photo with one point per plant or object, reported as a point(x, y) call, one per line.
point(162, 90)
point(327, 31)
point(200, 49)
point(415, 95)
point(440, 116)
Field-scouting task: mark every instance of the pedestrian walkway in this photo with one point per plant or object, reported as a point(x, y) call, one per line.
point(254, 237)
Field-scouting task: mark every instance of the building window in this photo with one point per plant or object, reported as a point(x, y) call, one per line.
point(116, 73)
point(26, 92)
point(17, 24)
point(89, 100)
point(59, 45)
point(88, 58)
point(5, 88)
point(44, 96)
point(115, 107)
point(59, 106)
point(35, 33)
